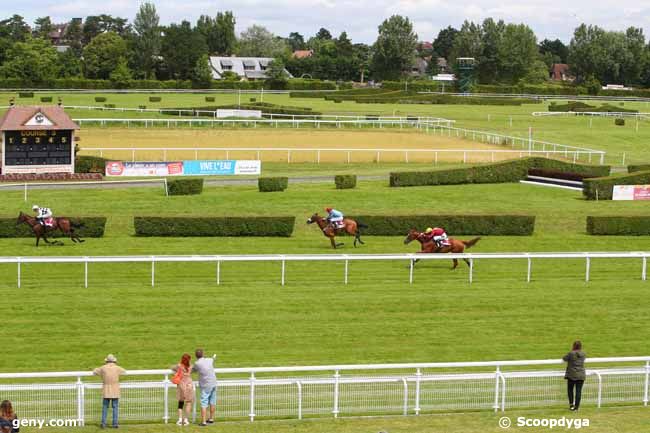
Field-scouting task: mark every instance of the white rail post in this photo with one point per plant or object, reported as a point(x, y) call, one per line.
point(406, 396)
point(252, 397)
point(496, 389)
point(471, 270)
point(86, 272)
point(464, 157)
point(647, 380)
point(588, 268)
point(530, 266)
point(153, 271)
point(80, 400)
point(600, 389)
point(418, 377)
point(166, 398)
point(346, 270)
point(288, 156)
point(133, 155)
point(25, 192)
point(348, 156)
point(411, 264)
point(283, 269)
point(336, 393)
point(299, 384)
point(406, 157)
point(18, 259)
point(644, 269)
point(218, 272)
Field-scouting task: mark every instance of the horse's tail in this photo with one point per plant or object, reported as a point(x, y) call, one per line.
point(471, 243)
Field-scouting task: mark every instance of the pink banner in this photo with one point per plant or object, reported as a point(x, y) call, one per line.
point(631, 192)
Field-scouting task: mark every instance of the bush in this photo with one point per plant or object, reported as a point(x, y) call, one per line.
point(209, 99)
point(217, 226)
point(100, 98)
point(345, 181)
point(142, 107)
point(155, 98)
point(46, 99)
point(455, 225)
point(638, 167)
point(269, 184)
point(252, 99)
point(619, 225)
point(619, 121)
point(581, 107)
point(90, 164)
point(93, 227)
point(602, 188)
point(25, 94)
point(501, 172)
point(185, 186)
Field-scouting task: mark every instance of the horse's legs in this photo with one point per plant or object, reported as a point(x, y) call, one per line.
point(333, 242)
point(467, 261)
point(455, 264)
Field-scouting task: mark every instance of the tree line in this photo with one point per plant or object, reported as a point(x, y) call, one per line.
point(112, 48)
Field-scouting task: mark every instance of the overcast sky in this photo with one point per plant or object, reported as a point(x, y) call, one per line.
point(360, 18)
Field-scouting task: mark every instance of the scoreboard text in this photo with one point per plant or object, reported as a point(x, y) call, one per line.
point(38, 147)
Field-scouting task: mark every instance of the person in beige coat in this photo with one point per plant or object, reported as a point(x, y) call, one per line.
point(110, 373)
point(185, 389)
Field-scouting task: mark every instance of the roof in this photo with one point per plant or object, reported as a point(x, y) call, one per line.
point(255, 74)
point(303, 54)
point(559, 70)
point(249, 67)
point(15, 119)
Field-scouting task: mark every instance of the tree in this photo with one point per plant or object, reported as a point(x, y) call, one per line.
point(202, 74)
point(555, 50)
point(468, 42)
point(73, 36)
point(489, 62)
point(225, 28)
point(394, 50)
point(34, 61)
point(102, 55)
point(98, 24)
point(70, 64)
point(276, 74)
point(182, 47)
point(444, 42)
point(42, 27)
point(121, 75)
point(15, 28)
point(148, 39)
point(296, 41)
point(323, 34)
point(517, 52)
point(257, 41)
point(537, 74)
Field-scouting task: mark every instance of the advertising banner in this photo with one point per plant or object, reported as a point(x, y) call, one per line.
point(221, 167)
point(224, 114)
point(631, 192)
point(117, 168)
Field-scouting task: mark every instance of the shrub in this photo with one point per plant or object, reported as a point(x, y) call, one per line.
point(252, 99)
point(100, 99)
point(46, 99)
point(93, 227)
point(109, 105)
point(209, 99)
point(90, 164)
point(25, 94)
point(142, 107)
point(155, 98)
point(345, 181)
point(185, 186)
point(619, 225)
point(217, 226)
point(619, 121)
point(638, 167)
point(602, 187)
point(497, 225)
point(269, 184)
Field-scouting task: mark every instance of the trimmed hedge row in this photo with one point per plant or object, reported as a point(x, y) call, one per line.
point(185, 186)
point(345, 181)
point(402, 97)
point(265, 107)
point(501, 172)
point(602, 188)
point(619, 225)
point(580, 107)
point(270, 184)
point(217, 226)
point(93, 227)
point(456, 225)
point(90, 164)
point(638, 167)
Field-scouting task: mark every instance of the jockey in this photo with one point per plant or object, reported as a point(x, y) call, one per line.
point(437, 234)
point(42, 214)
point(334, 217)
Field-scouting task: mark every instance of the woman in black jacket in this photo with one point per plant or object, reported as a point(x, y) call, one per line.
point(575, 374)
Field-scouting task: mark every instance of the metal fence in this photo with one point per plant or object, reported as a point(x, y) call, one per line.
point(336, 390)
point(219, 260)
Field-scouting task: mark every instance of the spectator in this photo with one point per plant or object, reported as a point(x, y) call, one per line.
point(110, 373)
point(8, 418)
point(575, 374)
point(208, 384)
point(184, 389)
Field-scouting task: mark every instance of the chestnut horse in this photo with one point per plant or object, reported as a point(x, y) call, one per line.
point(64, 224)
point(456, 246)
point(350, 227)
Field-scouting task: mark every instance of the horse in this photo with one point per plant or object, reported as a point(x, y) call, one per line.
point(428, 247)
point(63, 224)
point(350, 227)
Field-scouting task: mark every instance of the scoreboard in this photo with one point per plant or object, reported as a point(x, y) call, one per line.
point(38, 147)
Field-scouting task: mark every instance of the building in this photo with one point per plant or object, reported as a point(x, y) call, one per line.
point(246, 68)
point(560, 72)
point(57, 34)
point(37, 140)
point(302, 54)
point(418, 68)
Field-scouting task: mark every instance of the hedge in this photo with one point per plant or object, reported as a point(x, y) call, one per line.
point(410, 97)
point(155, 99)
point(619, 121)
point(619, 225)
point(455, 225)
point(185, 186)
point(269, 184)
point(90, 164)
point(46, 99)
point(638, 167)
point(501, 172)
point(602, 188)
point(26, 94)
point(215, 226)
point(580, 107)
point(345, 181)
point(93, 227)
point(100, 98)
point(265, 107)
point(557, 174)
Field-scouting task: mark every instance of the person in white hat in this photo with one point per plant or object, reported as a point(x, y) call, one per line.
point(110, 373)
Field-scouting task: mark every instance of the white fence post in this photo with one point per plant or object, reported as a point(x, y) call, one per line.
point(496, 389)
point(471, 270)
point(418, 377)
point(530, 266)
point(218, 272)
point(346, 270)
point(86, 272)
point(252, 397)
point(80, 401)
point(153, 271)
point(600, 390)
point(647, 380)
point(166, 398)
point(283, 270)
point(299, 384)
point(18, 259)
point(644, 268)
point(406, 396)
point(588, 268)
point(336, 394)
point(411, 271)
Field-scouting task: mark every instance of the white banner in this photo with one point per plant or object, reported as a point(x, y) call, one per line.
point(631, 192)
point(117, 168)
point(222, 114)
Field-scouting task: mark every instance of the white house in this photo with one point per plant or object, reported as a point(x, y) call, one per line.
point(251, 68)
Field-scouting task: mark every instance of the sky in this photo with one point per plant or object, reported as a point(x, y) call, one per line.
point(360, 18)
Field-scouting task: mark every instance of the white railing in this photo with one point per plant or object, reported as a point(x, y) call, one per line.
point(337, 390)
point(218, 260)
point(26, 186)
point(644, 116)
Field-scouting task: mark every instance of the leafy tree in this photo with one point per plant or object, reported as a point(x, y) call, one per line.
point(489, 62)
point(70, 63)
point(202, 74)
point(15, 28)
point(517, 52)
point(555, 50)
point(42, 27)
point(148, 39)
point(444, 42)
point(257, 41)
point(276, 74)
point(468, 42)
point(394, 50)
point(323, 34)
point(73, 36)
point(102, 55)
point(95, 25)
point(225, 28)
point(34, 61)
point(121, 75)
point(537, 74)
point(296, 41)
point(182, 47)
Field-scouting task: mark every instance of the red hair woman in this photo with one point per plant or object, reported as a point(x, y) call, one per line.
point(184, 389)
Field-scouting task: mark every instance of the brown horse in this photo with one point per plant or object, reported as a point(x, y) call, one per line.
point(63, 224)
point(350, 227)
point(456, 246)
